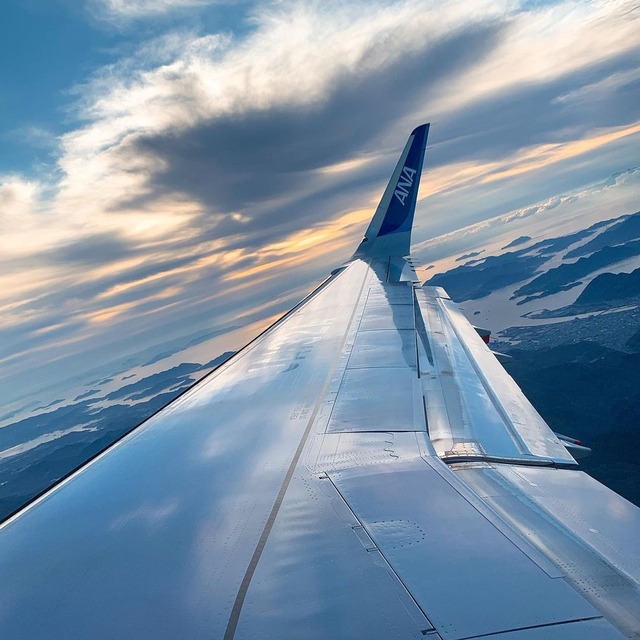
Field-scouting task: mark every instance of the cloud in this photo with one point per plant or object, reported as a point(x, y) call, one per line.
point(455, 176)
point(544, 43)
point(212, 171)
point(603, 89)
point(123, 11)
point(206, 122)
point(210, 121)
point(101, 247)
point(18, 198)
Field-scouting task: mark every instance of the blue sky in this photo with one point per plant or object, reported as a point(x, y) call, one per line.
point(178, 166)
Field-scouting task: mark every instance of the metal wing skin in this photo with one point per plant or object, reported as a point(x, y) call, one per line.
point(363, 469)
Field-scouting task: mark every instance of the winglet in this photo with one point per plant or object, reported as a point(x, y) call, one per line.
point(389, 233)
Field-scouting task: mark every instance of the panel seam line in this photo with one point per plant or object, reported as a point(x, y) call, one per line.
point(236, 610)
point(534, 626)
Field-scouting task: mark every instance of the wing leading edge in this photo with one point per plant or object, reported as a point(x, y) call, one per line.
point(363, 469)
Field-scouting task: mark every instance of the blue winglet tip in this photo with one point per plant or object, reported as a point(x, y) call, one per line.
point(421, 128)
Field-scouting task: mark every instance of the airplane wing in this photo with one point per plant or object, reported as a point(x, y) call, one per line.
point(365, 468)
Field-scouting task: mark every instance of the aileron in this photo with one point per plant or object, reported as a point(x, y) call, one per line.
point(487, 415)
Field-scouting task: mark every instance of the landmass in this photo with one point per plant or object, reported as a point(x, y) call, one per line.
point(578, 363)
point(516, 242)
point(36, 451)
point(466, 256)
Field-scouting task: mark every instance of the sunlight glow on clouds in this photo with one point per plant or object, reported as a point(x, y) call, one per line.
point(209, 172)
point(452, 177)
point(549, 154)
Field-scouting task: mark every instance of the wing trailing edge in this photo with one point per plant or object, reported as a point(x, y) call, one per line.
point(389, 233)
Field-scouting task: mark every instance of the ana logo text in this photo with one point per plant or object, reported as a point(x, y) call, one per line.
point(405, 182)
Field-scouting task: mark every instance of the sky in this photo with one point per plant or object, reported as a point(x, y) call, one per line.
point(175, 167)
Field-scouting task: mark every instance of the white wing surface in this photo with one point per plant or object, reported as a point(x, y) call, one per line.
point(363, 469)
